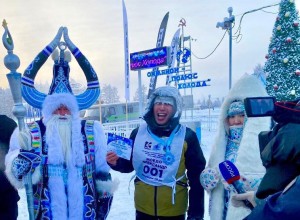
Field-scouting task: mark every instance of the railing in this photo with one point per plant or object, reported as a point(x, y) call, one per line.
point(124, 128)
point(208, 123)
point(121, 128)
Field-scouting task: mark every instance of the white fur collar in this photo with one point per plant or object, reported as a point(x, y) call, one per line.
point(52, 102)
point(248, 159)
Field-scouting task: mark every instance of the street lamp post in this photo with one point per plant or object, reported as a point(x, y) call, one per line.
point(227, 25)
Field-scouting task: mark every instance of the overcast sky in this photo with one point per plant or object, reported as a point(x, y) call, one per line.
point(96, 27)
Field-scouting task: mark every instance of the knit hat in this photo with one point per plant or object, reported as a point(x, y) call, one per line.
point(236, 108)
point(60, 83)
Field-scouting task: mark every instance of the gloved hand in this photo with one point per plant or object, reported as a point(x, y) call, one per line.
point(53, 44)
point(237, 200)
point(104, 204)
point(209, 178)
point(69, 43)
point(25, 162)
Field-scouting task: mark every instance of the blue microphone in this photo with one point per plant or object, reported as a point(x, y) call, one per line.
point(231, 175)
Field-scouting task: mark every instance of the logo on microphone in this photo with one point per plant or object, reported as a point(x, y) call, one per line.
point(229, 171)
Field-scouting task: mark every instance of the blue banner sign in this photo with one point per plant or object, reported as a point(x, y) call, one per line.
point(149, 58)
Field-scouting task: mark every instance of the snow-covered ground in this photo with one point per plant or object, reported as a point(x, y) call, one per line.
point(123, 205)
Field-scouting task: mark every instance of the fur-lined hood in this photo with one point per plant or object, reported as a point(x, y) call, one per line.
point(248, 159)
point(164, 91)
point(246, 86)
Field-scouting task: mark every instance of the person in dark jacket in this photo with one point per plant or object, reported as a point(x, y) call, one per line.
point(278, 194)
point(163, 150)
point(9, 195)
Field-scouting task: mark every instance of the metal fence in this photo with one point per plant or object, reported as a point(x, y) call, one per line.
point(201, 122)
point(197, 123)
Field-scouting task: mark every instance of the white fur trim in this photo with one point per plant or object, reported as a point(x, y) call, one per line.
point(109, 186)
point(75, 193)
point(248, 158)
point(58, 197)
point(14, 150)
point(77, 143)
point(35, 176)
point(68, 56)
point(100, 148)
point(8, 171)
point(55, 154)
point(52, 102)
point(55, 55)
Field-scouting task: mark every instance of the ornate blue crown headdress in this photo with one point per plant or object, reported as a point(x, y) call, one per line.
point(60, 82)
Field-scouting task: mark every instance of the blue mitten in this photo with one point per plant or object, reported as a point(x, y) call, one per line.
point(25, 162)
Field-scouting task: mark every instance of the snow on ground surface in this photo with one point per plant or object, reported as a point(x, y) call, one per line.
point(123, 204)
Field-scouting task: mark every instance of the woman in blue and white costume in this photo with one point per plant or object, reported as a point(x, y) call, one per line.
point(239, 144)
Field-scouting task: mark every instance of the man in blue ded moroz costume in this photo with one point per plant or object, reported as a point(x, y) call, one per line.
point(70, 176)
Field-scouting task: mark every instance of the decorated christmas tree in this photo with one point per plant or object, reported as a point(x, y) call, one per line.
point(282, 67)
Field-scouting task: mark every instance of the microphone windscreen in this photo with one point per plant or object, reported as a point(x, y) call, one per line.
point(229, 171)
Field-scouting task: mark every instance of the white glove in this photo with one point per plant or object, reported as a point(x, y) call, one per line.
point(209, 178)
point(69, 43)
point(25, 140)
point(237, 200)
point(53, 44)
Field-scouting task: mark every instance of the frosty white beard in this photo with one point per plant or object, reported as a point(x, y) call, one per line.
point(60, 127)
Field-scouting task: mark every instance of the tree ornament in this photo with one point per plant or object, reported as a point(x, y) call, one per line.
point(267, 74)
point(284, 53)
point(293, 92)
point(289, 39)
point(287, 14)
point(267, 56)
